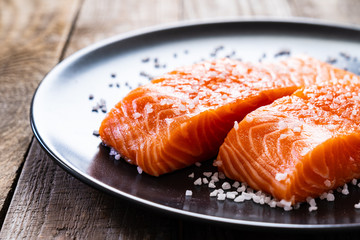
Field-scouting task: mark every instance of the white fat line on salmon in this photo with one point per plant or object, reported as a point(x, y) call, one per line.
point(236, 125)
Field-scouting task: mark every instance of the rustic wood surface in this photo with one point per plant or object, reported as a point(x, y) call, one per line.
point(32, 38)
point(38, 200)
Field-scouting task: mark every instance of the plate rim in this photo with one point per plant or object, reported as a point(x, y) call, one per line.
point(94, 183)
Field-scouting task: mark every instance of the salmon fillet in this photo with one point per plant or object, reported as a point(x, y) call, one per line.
point(184, 116)
point(299, 146)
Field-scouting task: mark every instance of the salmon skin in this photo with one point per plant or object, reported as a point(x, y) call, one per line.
point(184, 116)
point(299, 146)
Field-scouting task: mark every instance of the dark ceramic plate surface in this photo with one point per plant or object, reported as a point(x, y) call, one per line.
point(63, 121)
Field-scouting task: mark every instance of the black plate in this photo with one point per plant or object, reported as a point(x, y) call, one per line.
point(63, 121)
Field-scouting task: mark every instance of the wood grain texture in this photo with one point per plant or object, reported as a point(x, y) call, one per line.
point(50, 204)
point(32, 35)
point(101, 19)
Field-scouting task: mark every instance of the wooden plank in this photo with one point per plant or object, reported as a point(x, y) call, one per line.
point(50, 204)
point(32, 34)
point(101, 19)
point(329, 10)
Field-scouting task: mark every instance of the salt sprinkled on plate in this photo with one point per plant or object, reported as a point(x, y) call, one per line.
point(198, 181)
point(327, 183)
point(354, 181)
point(231, 195)
point(221, 196)
point(312, 203)
point(214, 193)
point(215, 177)
point(221, 175)
point(236, 184)
point(198, 164)
point(188, 193)
point(330, 197)
point(345, 190)
point(211, 184)
point(207, 174)
point(191, 175)
point(226, 186)
point(139, 170)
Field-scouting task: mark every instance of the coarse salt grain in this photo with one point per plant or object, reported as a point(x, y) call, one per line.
point(198, 181)
point(214, 193)
point(357, 205)
point(188, 193)
point(231, 195)
point(236, 184)
point(284, 203)
point(211, 184)
point(182, 108)
point(312, 208)
point(226, 186)
point(327, 183)
point(205, 181)
point(241, 189)
point(345, 191)
point(256, 199)
point(221, 196)
point(221, 175)
point(215, 178)
point(330, 197)
point(207, 174)
point(287, 208)
point(272, 203)
point(191, 175)
point(239, 198)
point(354, 181)
point(247, 196)
point(169, 120)
point(217, 163)
point(283, 136)
point(148, 108)
point(198, 164)
point(280, 176)
point(139, 170)
point(296, 129)
point(112, 152)
point(136, 115)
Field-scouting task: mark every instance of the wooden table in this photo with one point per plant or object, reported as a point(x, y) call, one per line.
point(38, 200)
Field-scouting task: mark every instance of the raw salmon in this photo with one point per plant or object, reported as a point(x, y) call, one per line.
point(300, 145)
point(183, 117)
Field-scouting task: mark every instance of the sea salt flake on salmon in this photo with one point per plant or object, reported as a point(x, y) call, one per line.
point(184, 116)
point(324, 155)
